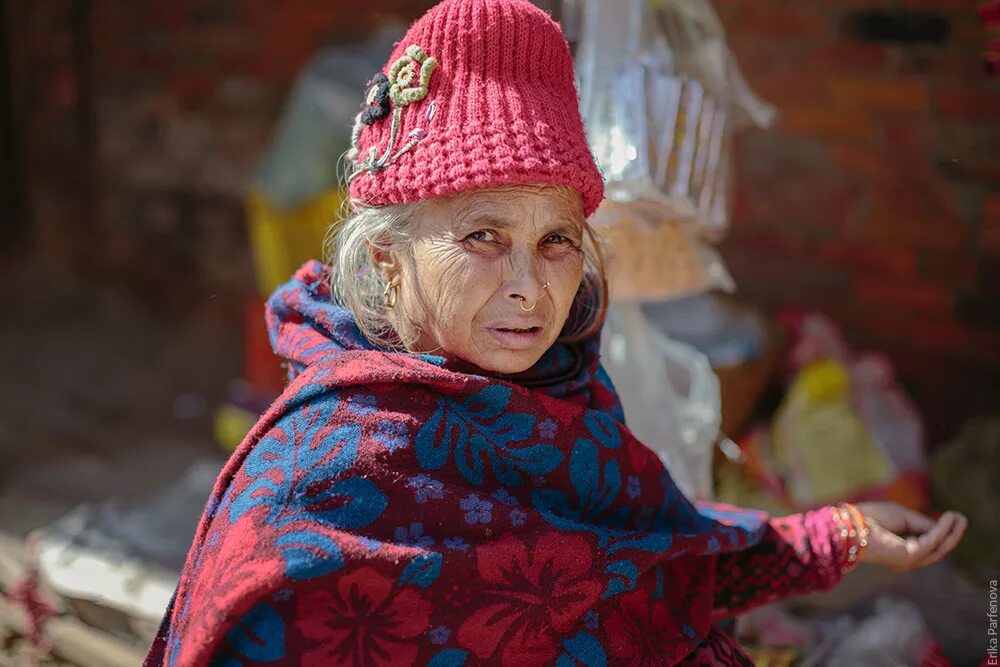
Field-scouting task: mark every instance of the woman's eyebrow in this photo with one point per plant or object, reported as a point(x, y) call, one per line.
point(565, 225)
point(473, 218)
point(477, 218)
point(566, 228)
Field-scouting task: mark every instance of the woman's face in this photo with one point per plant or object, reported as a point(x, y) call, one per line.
point(491, 275)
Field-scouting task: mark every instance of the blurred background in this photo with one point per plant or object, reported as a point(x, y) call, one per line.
point(154, 168)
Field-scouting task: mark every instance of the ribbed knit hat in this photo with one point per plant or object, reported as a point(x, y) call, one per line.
point(479, 93)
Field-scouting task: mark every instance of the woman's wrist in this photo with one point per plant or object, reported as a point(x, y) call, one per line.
point(853, 531)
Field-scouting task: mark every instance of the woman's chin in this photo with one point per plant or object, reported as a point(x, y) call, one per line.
point(507, 362)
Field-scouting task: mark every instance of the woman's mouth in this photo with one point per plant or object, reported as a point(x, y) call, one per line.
point(516, 338)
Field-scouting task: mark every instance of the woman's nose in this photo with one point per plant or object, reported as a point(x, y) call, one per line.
point(525, 285)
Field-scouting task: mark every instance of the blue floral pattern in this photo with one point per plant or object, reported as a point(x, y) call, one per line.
point(425, 488)
point(258, 636)
point(481, 434)
point(413, 536)
point(308, 485)
point(476, 509)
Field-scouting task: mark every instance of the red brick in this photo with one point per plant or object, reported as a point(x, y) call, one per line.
point(216, 42)
point(898, 223)
point(190, 86)
point(967, 31)
point(791, 21)
point(911, 134)
point(903, 295)
point(954, 271)
point(64, 89)
point(879, 94)
point(771, 57)
point(773, 280)
point(787, 182)
point(940, 335)
point(985, 344)
point(827, 122)
point(989, 235)
point(862, 160)
point(967, 152)
point(792, 88)
point(946, 66)
point(992, 209)
point(893, 262)
point(848, 57)
point(769, 242)
point(807, 201)
point(908, 143)
point(883, 326)
point(866, 4)
point(913, 194)
point(968, 104)
point(941, 5)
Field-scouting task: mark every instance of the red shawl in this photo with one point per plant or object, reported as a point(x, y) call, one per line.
point(393, 509)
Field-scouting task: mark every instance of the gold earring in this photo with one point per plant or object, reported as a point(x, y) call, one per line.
point(391, 292)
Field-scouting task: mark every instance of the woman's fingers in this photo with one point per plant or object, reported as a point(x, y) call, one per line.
point(924, 544)
point(914, 522)
point(934, 543)
point(948, 542)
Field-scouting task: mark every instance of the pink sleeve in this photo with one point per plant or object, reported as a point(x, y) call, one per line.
point(798, 554)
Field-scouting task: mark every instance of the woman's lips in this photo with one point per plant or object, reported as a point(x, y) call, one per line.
point(520, 336)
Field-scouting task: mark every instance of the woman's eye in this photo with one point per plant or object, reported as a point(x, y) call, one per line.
point(556, 239)
point(481, 235)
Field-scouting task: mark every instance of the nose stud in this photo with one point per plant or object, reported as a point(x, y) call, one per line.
point(535, 303)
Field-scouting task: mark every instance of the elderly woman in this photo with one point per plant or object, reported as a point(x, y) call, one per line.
point(447, 479)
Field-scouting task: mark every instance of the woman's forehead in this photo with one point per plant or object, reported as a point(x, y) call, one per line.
point(515, 205)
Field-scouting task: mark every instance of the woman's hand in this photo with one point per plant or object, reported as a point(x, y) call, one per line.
point(902, 539)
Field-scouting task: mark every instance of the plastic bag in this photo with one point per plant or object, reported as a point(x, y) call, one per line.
point(889, 414)
point(314, 131)
point(845, 431)
point(846, 427)
point(894, 635)
point(669, 393)
point(660, 94)
point(820, 444)
point(729, 333)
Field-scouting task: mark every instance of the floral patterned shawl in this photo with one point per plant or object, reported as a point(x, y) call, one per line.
point(394, 509)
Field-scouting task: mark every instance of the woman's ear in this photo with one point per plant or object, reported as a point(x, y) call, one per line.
point(384, 258)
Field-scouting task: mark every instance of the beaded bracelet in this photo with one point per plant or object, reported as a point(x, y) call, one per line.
point(853, 529)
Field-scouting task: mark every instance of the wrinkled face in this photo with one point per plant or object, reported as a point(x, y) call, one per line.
point(491, 275)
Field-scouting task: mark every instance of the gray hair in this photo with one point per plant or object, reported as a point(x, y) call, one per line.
point(357, 285)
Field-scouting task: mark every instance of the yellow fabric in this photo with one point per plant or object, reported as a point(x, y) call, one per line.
point(282, 240)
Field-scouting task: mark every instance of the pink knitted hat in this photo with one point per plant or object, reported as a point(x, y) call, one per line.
point(479, 93)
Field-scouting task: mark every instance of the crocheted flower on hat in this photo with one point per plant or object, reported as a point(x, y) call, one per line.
point(377, 100)
point(408, 82)
point(410, 76)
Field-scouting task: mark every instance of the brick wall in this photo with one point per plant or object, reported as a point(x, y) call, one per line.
point(876, 198)
point(143, 123)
